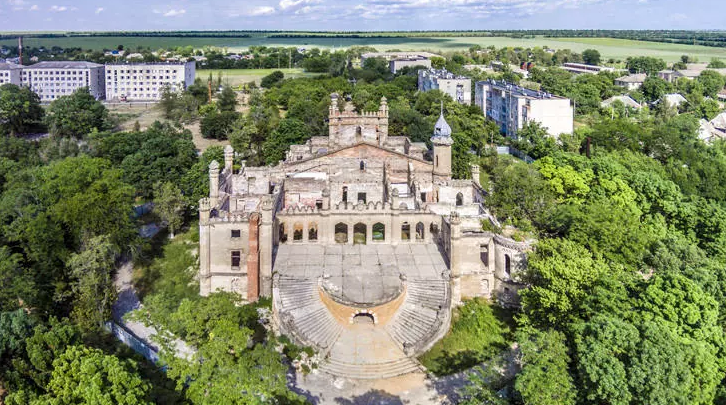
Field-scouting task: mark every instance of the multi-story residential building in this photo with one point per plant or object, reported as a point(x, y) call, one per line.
point(581, 68)
point(145, 81)
point(399, 60)
point(10, 73)
point(511, 106)
point(52, 80)
point(458, 87)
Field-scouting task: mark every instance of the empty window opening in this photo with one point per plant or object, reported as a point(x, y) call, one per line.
point(345, 194)
point(423, 197)
point(405, 231)
point(236, 233)
point(362, 197)
point(459, 200)
point(359, 234)
point(379, 232)
point(508, 265)
point(341, 233)
point(282, 233)
point(236, 258)
point(362, 165)
point(297, 232)
point(312, 231)
point(484, 254)
point(319, 204)
point(420, 231)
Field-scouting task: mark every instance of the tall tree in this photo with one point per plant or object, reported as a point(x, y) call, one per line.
point(77, 115)
point(20, 110)
point(92, 271)
point(227, 99)
point(591, 56)
point(169, 203)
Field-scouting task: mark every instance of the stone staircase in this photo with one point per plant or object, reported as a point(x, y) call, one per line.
point(303, 315)
point(422, 316)
point(370, 371)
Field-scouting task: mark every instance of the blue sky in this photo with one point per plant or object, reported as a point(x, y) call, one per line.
point(45, 15)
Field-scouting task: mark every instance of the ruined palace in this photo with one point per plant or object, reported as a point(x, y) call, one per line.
point(357, 233)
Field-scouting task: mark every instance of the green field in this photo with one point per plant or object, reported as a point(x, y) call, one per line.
point(608, 47)
point(235, 77)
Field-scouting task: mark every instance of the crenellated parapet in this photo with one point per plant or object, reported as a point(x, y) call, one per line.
point(512, 244)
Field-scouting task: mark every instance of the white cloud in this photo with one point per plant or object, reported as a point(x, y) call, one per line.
point(99, 10)
point(677, 17)
point(58, 9)
point(175, 13)
point(34, 7)
point(295, 4)
point(259, 11)
point(17, 5)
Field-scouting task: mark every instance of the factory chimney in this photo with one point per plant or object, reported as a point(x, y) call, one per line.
point(20, 50)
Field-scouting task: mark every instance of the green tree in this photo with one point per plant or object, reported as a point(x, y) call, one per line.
point(18, 282)
point(20, 110)
point(169, 203)
point(91, 271)
point(654, 88)
point(77, 115)
point(227, 99)
point(218, 125)
point(712, 82)
point(716, 64)
point(709, 109)
point(88, 376)
point(591, 56)
point(645, 64)
point(290, 132)
point(561, 273)
point(272, 79)
point(534, 140)
point(544, 378)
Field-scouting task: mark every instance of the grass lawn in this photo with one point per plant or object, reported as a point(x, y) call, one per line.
point(608, 47)
point(236, 77)
point(479, 331)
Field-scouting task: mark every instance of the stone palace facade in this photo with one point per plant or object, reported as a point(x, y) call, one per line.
point(359, 185)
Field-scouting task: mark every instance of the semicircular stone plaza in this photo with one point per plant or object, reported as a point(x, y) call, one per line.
point(362, 239)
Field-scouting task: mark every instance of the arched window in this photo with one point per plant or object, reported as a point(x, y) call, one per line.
point(359, 234)
point(297, 232)
point(362, 165)
point(345, 194)
point(508, 265)
point(484, 254)
point(282, 233)
point(459, 199)
point(405, 231)
point(434, 229)
point(341, 233)
point(358, 132)
point(403, 206)
point(312, 231)
point(420, 231)
point(379, 232)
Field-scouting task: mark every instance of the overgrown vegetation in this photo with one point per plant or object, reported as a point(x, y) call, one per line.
point(479, 332)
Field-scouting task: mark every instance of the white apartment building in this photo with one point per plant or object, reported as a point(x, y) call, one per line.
point(458, 87)
point(10, 73)
point(145, 81)
point(511, 106)
point(52, 80)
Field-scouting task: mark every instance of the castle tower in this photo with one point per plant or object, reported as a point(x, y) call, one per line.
point(442, 148)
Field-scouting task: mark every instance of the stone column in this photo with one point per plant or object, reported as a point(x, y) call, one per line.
point(475, 174)
point(253, 259)
point(305, 232)
point(265, 236)
point(228, 158)
point(205, 282)
point(455, 258)
point(350, 234)
point(213, 183)
point(395, 226)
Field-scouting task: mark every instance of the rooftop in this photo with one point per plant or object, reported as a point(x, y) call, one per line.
point(10, 66)
point(635, 78)
point(519, 91)
point(63, 65)
point(441, 74)
point(179, 63)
